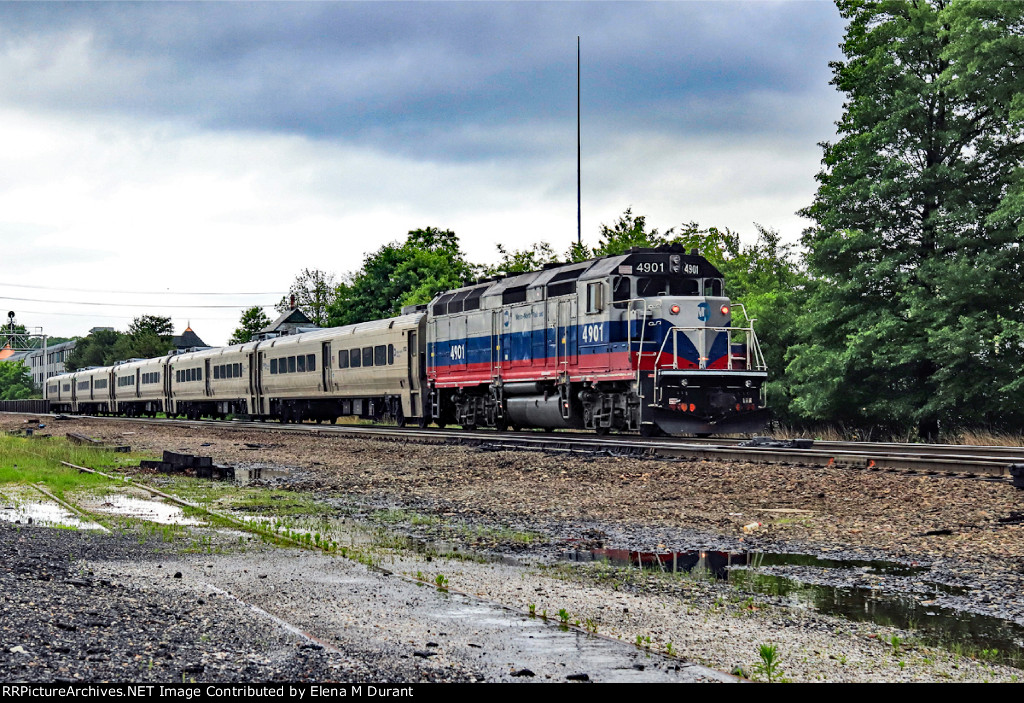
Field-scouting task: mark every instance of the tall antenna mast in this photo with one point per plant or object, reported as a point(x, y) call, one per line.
point(579, 222)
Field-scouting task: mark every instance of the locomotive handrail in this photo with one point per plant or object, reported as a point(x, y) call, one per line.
point(643, 330)
point(754, 360)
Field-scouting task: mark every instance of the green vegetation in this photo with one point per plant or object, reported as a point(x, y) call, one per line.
point(252, 321)
point(148, 336)
point(769, 664)
point(910, 318)
point(15, 381)
point(26, 461)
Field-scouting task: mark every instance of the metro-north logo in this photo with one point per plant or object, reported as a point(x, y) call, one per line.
point(703, 311)
point(507, 317)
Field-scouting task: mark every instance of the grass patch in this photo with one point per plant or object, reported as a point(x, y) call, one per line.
point(24, 461)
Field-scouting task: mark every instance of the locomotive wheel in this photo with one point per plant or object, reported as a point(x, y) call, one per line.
point(334, 421)
point(602, 430)
point(650, 431)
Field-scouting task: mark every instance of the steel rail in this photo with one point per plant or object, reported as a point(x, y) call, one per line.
point(965, 460)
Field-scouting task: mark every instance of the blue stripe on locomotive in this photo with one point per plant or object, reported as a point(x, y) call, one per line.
point(537, 345)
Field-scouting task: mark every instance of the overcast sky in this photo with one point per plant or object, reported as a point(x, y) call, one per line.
point(174, 151)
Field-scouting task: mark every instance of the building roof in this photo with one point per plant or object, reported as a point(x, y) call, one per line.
point(187, 340)
point(288, 321)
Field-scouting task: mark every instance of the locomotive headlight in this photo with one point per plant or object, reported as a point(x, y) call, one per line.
point(725, 309)
point(675, 309)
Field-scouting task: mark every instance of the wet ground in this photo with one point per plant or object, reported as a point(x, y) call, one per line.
point(701, 589)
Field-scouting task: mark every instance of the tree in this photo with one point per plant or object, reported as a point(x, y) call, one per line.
point(96, 349)
point(428, 262)
point(314, 291)
point(252, 321)
point(627, 232)
point(15, 381)
point(917, 298)
point(533, 258)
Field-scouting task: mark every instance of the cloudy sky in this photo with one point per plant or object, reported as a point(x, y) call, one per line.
point(188, 159)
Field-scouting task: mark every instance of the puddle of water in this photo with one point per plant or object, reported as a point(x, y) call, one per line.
point(47, 514)
point(143, 509)
point(935, 624)
point(244, 475)
point(23, 504)
point(859, 601)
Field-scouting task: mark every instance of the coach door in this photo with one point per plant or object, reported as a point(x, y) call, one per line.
point(255, 382)
point(327, 368)
point(415, 373)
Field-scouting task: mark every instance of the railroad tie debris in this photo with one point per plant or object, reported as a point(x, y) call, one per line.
point(1017, 471)
point(202, 466)
point(76, 438)
point(780, 443)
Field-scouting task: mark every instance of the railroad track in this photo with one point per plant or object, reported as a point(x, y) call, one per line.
point(929, 459)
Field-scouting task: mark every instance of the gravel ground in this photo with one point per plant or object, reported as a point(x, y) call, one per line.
point(579, 502)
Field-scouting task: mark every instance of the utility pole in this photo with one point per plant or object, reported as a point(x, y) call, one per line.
point(579, 208)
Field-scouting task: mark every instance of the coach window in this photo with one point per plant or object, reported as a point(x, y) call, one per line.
point(273, 366)
point(355, 358)
point(291, 364)
point(391, 354)
point(380, 355)
point(367, 356)
point(343, 359)
point(216, 372)
point(310, 362)
point(238, 370)
point(300, 363)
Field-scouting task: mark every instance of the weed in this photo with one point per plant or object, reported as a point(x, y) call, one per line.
point(442, 582)
point(770, 659)
point(533, 609)
point(563, 616)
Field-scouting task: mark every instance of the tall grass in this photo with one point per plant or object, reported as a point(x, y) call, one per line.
point(839, 433)
point(24, 461)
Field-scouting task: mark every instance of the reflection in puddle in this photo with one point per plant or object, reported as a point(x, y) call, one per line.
point(858, 596)
point(244, 475)
point(150, 510)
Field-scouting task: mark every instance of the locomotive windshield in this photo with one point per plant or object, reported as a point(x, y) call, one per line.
point(654, 286)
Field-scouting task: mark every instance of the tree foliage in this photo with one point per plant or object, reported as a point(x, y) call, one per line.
point(15, 381)
point(413, 272)
point(532, 258)
point(314, 290)
point(148, 336)
point(917, 302)
point(251, 322)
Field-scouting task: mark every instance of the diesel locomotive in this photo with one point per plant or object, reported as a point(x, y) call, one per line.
point(642, 341)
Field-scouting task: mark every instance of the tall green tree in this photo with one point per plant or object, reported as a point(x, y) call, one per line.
point(96, 349)
point(531, 258)
point(15, 381)
point(314, 290)
point(413, 272)
point(915, 310)
point(252, 321)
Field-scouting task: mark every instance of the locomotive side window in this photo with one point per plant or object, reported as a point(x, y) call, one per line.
point(355, 356)
point(649, 287)
point(595, 297)
point(380, 355)
point(367, 356)
point(343, 359)
point(685, 286)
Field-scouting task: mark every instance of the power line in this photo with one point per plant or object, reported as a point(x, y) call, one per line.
point(122, 305)
point(133, 292)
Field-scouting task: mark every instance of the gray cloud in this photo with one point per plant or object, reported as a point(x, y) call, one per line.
point(412, 77)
